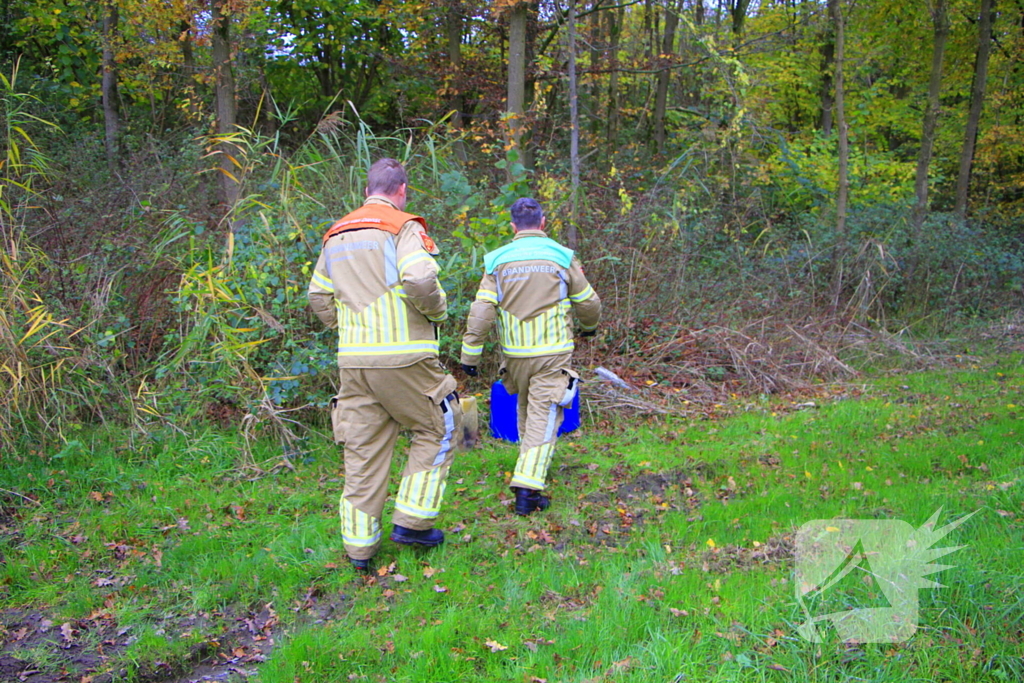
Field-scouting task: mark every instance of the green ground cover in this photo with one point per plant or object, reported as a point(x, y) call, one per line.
point(667, 555)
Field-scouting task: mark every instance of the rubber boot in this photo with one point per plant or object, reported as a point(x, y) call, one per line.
point(362, 566)
point(429, 538)
point(529, 500)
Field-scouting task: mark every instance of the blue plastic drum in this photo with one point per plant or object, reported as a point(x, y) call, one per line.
point(504, 414)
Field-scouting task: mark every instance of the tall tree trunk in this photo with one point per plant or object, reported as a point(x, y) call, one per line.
point(615, 21)
point(843, 193)
point(963, 180)
point(661, 96)
point(516, 99)
point(530, 76)
point(594, 37)
point(940, 21)
point(188, 70)
point(574, 134)
point(649, 39)
point(108, 87)
point(225, 97)
point(738, 13)
point(828, 61)
point(456, 101)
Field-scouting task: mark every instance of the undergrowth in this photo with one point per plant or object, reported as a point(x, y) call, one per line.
point(667, 554)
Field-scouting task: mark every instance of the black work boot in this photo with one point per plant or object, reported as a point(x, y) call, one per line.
point(529, 500)
point(362, 566)
point(429, 538)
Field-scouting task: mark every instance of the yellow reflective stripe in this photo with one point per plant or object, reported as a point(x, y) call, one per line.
point(321, 282)
point(547, 333)
point(487, 295)
point(381, 328)
point(532, 467)
point(358, 528)
point(387, 348)
point(472, 349)
point(530, 351)
point(414, 257)
point(420, 493)
point(582, 296)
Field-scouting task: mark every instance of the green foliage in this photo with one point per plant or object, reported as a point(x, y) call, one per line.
point(667, 551)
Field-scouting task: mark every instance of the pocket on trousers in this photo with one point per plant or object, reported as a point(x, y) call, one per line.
point(572, 386)
point(337, 425)
point(506, 378)
point(440, 391)
point(447, 414)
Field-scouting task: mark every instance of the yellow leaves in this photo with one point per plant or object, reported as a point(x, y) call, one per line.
point(494, 646)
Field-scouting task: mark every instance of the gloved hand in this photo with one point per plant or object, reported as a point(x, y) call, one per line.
point(588, 333)
point(469, 370)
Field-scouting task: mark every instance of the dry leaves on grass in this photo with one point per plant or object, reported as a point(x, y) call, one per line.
point(494, 646)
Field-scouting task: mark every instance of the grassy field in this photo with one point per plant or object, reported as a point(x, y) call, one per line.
point(667, 555)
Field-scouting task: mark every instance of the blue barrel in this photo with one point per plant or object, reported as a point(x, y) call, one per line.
point(504, 414)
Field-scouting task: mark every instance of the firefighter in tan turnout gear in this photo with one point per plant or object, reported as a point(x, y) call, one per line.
point(376, 281)
point(529, 286)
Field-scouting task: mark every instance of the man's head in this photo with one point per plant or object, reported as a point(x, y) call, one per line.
point(387, 178)
point(527, 215)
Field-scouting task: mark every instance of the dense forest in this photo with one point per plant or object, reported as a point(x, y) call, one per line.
point(756, 187)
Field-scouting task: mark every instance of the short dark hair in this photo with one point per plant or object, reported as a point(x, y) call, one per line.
point(386, 176)
point(526, 213)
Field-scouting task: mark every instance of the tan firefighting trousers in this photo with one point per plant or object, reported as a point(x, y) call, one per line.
point(374, 404)
point(545, 385)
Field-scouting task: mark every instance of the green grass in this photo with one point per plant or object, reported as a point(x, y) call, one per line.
point(646, 568)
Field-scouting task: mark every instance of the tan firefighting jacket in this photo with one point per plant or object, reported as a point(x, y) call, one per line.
point(378, 285)
point(530, 285)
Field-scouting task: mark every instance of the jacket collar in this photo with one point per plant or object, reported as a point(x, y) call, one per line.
point(380, 199)
point(531, 232)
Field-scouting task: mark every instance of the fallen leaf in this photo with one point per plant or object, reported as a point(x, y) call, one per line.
point(777, 667)
point(620, 666)
point(67, 631)
point(438, 588)
point(678, 612)
point(495, 646)
point(399, 578)
point(428, 572)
